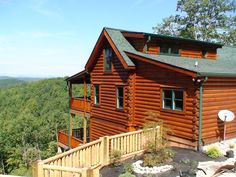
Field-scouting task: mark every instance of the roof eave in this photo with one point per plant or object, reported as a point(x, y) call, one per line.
point(161, 64)
point(202, 74)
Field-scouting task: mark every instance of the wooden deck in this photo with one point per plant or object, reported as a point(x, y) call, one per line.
point(80, 104)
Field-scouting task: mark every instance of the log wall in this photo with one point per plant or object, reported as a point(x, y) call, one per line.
point(186, 49)
point(218, 94)
point(150, 79)
point(105, 118)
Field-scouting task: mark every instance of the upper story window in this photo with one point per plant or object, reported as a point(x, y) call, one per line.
point(119, 97)
point(204, 53)
point(96, 94)
point(107, 59)
point(173, 99)
point(169, 49)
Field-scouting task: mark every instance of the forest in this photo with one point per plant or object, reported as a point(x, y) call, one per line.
point(30, 115)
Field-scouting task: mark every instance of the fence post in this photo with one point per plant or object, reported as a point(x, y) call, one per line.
point(104, 152)
point(38, 169)
point(84, 172)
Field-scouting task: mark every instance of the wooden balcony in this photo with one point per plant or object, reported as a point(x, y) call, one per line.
point(63, 140)
point(80, 104)
point(75, 140)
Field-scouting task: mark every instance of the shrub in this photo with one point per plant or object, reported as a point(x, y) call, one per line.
point(115, 157)
point(128, 167)
point(157, 146)
point(159, 157)
point(214, 152)
point(127, 174)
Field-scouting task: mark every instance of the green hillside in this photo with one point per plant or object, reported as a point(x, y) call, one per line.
point(30, 115)
point(10, 82)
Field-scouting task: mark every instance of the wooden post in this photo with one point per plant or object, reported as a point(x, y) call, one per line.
point(85, 110)
point(71, 124)
point(70, 90)
point(84, 172)
point(104, 152)
point(85, 131)
point(37, 169)
point(95, 172)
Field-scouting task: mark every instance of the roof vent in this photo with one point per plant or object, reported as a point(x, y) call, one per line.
point(196, 63)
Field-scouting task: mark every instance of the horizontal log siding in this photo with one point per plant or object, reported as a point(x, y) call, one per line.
point(105, 118)
point(218, 94)
point(186, 49)
point(138, 44)
point(149, 81)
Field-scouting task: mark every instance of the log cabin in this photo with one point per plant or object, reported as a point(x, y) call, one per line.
point(185, 82)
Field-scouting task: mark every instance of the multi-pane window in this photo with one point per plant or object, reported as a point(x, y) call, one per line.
point(120, 97)
point(96, 94)
point(107, 59)
point(173, 99)
point(169, 49)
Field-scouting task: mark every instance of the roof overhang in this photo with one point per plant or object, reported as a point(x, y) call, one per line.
point(161, 64)
point(79, 78)
point(104, 36)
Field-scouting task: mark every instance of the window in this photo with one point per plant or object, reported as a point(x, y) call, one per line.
point(173, 99)
point(96, 94)
point(107, 59)
point(169, 49)
point(120, 97)
point(204, 53)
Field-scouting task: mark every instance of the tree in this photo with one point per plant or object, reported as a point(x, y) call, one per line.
point(207, 20)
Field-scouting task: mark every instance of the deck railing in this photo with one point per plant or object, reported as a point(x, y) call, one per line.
point(84, 160)
point(80, 104)
point(64, 139)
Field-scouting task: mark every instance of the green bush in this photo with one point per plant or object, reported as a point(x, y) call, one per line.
point(128, 167)
point(159, 157)
point(115, 157)
point(127, 174)
point(214, 152)
point(157, 145)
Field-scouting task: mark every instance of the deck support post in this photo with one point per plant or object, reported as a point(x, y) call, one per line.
point(85, 110)
point(69, 117)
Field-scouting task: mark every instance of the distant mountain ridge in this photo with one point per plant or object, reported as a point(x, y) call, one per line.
point(22, 78)
point(6, 81)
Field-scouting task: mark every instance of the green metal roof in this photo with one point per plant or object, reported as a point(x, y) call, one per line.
point(122, 44)
point(224, 65)
point(169, 37)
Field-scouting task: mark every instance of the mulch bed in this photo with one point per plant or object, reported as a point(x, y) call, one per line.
point(185, 164)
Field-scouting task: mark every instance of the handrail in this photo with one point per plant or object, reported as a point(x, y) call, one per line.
point(70, 151)
point(95, 154)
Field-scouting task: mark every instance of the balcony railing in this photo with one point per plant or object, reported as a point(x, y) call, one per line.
point(80, 104)
point(76, 138)
point(63, 139)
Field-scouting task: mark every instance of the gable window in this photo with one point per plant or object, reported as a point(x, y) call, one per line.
point(169, 49)
point(119, 97)
point(107, 59)
point(96, 94)
point(173, 99)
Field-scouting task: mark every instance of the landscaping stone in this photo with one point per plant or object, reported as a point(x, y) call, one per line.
point(138, 168)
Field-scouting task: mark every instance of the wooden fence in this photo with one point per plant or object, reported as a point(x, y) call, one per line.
point(85, 160)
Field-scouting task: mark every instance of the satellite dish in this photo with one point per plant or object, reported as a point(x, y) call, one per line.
point(226, 115)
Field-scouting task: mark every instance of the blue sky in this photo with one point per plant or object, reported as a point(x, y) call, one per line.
point(51, 38)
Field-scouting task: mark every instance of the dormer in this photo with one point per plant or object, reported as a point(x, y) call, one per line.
point(168, 45)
